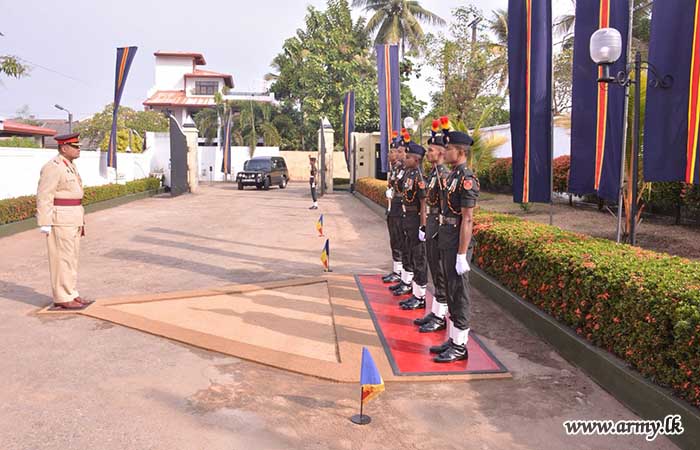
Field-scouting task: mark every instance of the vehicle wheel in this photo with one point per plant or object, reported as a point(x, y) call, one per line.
point(283, 183)
point(266, 184)
point(240, 186)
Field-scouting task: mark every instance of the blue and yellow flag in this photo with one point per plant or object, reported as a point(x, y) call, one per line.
point(598, 111)
point(226, 144)
point(348, 124)
point(672, 124)
point(371, 381)
point(530, 87)
point(319, 225)
point(389, 97)
point(326, 255)
point(125, 55)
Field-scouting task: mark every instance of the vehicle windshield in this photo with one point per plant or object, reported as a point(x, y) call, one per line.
point(255, 164)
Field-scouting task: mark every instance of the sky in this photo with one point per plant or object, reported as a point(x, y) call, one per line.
point(71, 45)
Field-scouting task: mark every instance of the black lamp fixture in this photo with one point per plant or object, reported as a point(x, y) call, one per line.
point(606, 49)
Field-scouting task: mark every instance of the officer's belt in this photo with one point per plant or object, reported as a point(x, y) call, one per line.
point(433, 210)
point(67, 202)
point(450, 220)
point(398, 195)
point(410, 209)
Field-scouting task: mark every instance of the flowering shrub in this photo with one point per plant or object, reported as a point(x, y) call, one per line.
point(499, 175)
point(21, 208)
point(640, 305)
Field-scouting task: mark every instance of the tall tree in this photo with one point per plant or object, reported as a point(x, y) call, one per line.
point(12, 66)
point(398, 21)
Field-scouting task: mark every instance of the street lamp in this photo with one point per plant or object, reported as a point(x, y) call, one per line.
point(606, 49)
point(70, 117)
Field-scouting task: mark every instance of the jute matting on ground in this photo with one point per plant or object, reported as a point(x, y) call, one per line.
point(312, 326)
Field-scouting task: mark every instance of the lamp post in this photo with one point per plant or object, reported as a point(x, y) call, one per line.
point(606, 49)
point(70, 117)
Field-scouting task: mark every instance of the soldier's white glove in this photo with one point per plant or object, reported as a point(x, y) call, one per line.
point(46, 229)
point(390, 193)
point(421, 234)
point(462, 265)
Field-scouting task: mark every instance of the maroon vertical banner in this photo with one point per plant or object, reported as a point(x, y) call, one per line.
point(125, 55)
point(530, 86)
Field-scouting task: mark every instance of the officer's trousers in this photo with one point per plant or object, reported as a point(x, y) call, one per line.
point(458, 295)
point(313, 191)
point(415, 249)
point(433, 255)
point(395, 237)
point(64, 251)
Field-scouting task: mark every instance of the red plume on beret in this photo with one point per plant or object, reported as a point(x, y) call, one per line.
point(394, 134)
point(436, 125)
point(406, 137)
point(445, 121)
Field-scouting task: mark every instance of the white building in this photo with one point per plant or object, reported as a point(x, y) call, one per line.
point(562, 139)
point(183, 89)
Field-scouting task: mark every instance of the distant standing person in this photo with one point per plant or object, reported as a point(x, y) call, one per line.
point(60, 215)
point(312, 181)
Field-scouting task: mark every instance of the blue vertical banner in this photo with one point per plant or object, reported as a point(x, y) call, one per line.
point(226, 143)
point(673, 115)
point(389, 96)
point(598, 109)
point(125, 55)
point(348, 124)
point(530, 84)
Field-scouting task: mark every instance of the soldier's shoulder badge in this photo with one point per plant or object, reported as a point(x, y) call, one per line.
point(468, 184)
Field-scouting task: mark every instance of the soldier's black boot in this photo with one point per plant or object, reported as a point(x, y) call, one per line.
point(403, 290)
point(423, 320)
point(391, 278)
point(436, 324)
point(413, 303)
point(442, 347)
point(454, 352)
point(396, 286)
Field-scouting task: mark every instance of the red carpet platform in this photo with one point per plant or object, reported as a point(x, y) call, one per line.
point(405, 347)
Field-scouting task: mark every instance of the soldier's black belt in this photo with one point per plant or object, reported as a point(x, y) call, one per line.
point(433, 210)
point(410, 209)
point(451, 220)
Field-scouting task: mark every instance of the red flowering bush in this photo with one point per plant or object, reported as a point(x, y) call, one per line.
point(499, 175)
point(373, 189)
point(21, 208)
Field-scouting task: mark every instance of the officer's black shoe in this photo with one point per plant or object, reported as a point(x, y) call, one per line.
point(403, 290)
point(396, 286)
point(391, 278)
point(434, 325)
point(442, 347)
point(408, 300)
point(453, 353)
point(423, 320)
point(414, 303)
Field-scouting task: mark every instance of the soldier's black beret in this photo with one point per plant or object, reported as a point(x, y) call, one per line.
point(459, 138)
point(415, 149)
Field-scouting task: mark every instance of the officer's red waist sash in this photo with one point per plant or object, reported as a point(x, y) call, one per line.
point(67, 202)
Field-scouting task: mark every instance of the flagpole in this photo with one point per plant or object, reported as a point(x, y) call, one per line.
point(361, 419)
point(623, 157)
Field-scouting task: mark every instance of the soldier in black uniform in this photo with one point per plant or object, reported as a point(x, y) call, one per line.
point(435, 320)
point(393, 219)
point(455, 242)
point(413, 221)
point(312, 181)
point(405, 286)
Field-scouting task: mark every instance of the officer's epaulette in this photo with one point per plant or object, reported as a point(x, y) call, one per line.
point(55, 162)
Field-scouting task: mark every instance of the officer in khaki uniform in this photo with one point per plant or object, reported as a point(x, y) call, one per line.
point(61, 218)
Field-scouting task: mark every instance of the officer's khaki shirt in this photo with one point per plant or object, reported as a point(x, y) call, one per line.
point(59, 179)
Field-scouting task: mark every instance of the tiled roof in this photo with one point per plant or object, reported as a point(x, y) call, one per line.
point(18, 128)
point(178, 98)
point(198, 73)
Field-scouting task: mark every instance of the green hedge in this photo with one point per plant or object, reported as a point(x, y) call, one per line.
point(640, 305)
point(498, 176)
point(21, 208)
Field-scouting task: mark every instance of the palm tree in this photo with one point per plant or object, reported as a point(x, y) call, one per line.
point(498, 26)
point(398, 20)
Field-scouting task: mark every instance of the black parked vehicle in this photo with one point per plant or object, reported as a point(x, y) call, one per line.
point(263, 172)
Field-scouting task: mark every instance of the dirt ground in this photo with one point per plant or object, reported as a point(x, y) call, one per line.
point(80, 383)
point(654, 233)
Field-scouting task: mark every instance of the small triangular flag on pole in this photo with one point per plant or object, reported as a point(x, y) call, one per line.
point(319, 225)
point(326, 257)
point(371, 384)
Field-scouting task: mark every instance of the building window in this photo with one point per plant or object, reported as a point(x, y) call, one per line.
point(206, 87)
